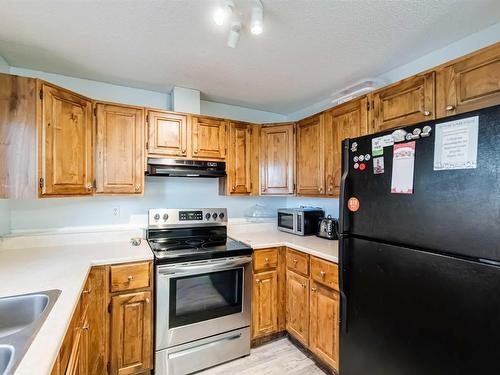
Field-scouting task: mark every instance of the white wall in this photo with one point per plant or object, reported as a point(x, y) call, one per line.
point(239, 113)
point(4, 217)
point(4, 67)
point(330, 205)
point(452, 51)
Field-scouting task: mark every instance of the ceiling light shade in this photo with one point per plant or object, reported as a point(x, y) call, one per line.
point(234, 34)
point(357, 89)
point(223, 12)
point(257, 20)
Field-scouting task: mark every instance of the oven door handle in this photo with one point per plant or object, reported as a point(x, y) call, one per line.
point(212, 266)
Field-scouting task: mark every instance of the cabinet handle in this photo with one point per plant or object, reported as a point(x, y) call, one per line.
point(450, 107)
point(89, 187)
point(234, 188)
point(147, 300)
point(130, 278)
point(320, 189)
point(295, 261)
point(322, 273)
point(183, 150)
point(87, 291)
point(267, 260)
point(137, 187)
point(427, 113)
point(86, 327)
point(313, 289)
point(303, 285)
point(257, 281)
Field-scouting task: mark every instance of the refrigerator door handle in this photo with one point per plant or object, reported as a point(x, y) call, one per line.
point(342, 285)
point(343, 214)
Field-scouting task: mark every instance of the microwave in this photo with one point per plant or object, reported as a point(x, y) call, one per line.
point(302, 221)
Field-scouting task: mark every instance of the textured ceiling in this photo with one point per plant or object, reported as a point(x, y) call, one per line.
point(309, 49)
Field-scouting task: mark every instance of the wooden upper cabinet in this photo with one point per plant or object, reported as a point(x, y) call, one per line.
point(277, 159)
point(265, 304)
point(239, 159)
point(131, 348)
point(347, 120)
point(310, 156)
point(167, 134)
point(208, 138)
point(120, 149)
point(407, 102)
point(297, 306)
point(469, 84)
point(65, 143)
point(324, 324)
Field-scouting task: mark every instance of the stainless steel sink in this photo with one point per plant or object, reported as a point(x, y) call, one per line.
point(20, 319)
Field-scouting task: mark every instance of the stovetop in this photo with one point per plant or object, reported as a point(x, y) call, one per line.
point(187, 235)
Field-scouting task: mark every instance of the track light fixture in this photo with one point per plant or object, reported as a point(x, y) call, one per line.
point(223, 12)
point(234, 34)
point(257, 20)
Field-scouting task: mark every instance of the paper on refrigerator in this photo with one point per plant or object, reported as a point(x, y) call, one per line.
point(403, 165)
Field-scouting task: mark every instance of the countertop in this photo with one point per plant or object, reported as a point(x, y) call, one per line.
point(27, 269)
point(265, 235)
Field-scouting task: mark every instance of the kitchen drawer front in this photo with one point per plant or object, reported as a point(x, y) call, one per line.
point(325, 273)
point(265, 259)
point(297, 262)
point(130, 276)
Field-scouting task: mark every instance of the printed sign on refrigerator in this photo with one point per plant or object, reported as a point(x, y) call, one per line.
point(455, 144)
point(403, 164)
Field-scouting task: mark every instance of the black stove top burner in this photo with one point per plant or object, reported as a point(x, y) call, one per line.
point(194, 243)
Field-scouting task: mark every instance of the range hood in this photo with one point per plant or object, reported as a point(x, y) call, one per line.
point(185, 168)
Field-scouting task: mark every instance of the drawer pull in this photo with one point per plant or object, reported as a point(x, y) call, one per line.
point(267, 260)
point(86, 327)
point(322, 273)
point(257, 281)
point(313, 289)
point(130, 278)
point(87, 291)
point(295, 261)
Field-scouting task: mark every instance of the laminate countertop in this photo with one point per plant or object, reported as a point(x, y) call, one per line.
point(264, 235)
point(27, 268)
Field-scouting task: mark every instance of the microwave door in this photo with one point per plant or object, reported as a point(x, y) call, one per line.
point(287, 221)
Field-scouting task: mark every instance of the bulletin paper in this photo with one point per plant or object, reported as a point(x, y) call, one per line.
point(403, 166)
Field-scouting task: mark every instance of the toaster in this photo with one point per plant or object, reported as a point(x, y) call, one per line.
point(328, 227)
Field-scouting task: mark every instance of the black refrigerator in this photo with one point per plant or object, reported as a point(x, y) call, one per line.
point(420, 270)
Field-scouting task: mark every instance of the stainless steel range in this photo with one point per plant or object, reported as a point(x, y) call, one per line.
point(203, 290)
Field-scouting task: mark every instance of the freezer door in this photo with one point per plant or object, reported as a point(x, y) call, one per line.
point(407, 312)
point(454, 211)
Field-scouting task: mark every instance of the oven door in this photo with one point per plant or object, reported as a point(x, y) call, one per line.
point(287, 221)
point(200, 299)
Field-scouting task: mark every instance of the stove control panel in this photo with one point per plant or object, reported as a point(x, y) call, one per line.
point(159, 217)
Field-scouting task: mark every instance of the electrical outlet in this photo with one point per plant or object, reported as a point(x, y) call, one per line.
point(116, 211)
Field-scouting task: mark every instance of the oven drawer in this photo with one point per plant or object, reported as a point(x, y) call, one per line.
point(130, 276)
point(204, 353)
point(325, 273)
point(265, 259)
point(297, 262)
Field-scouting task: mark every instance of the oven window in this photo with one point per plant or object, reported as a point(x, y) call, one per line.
point(196, 298)
point(285, 221)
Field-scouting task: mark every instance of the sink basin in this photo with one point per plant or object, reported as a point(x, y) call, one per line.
point(18, 312)
point(20, 320)
point(6, 357)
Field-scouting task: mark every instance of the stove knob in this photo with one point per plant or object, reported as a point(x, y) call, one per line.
point(221, 215)
point(207, 216)
point(165, 217)
point(214, 215)
point(157, 217)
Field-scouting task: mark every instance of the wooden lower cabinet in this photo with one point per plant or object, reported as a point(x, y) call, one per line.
point(324, 324)
point(110, 333)
point(297, 306)
point(265, 304)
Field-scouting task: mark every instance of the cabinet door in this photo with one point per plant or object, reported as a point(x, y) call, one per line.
point(65, 143)
point(120, 155)
point(239, 159)
point(277, 159)
point(348, 120)
point(78, 361)
point(208, 138)
point(469, 84)
point(324, 324)
point(297, 306)
point(407, 102)
point(95, 293)
point(131, 333)
point(168, 134)
point(265, 304)
point(310, 156)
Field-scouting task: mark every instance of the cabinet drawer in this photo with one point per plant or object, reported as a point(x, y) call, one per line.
point(325, 273)
point(130, 276)
point(265, 259)
point(297, 262)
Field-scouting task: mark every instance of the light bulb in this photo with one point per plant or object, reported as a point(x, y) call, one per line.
point(220, 15)
point(256, 29)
